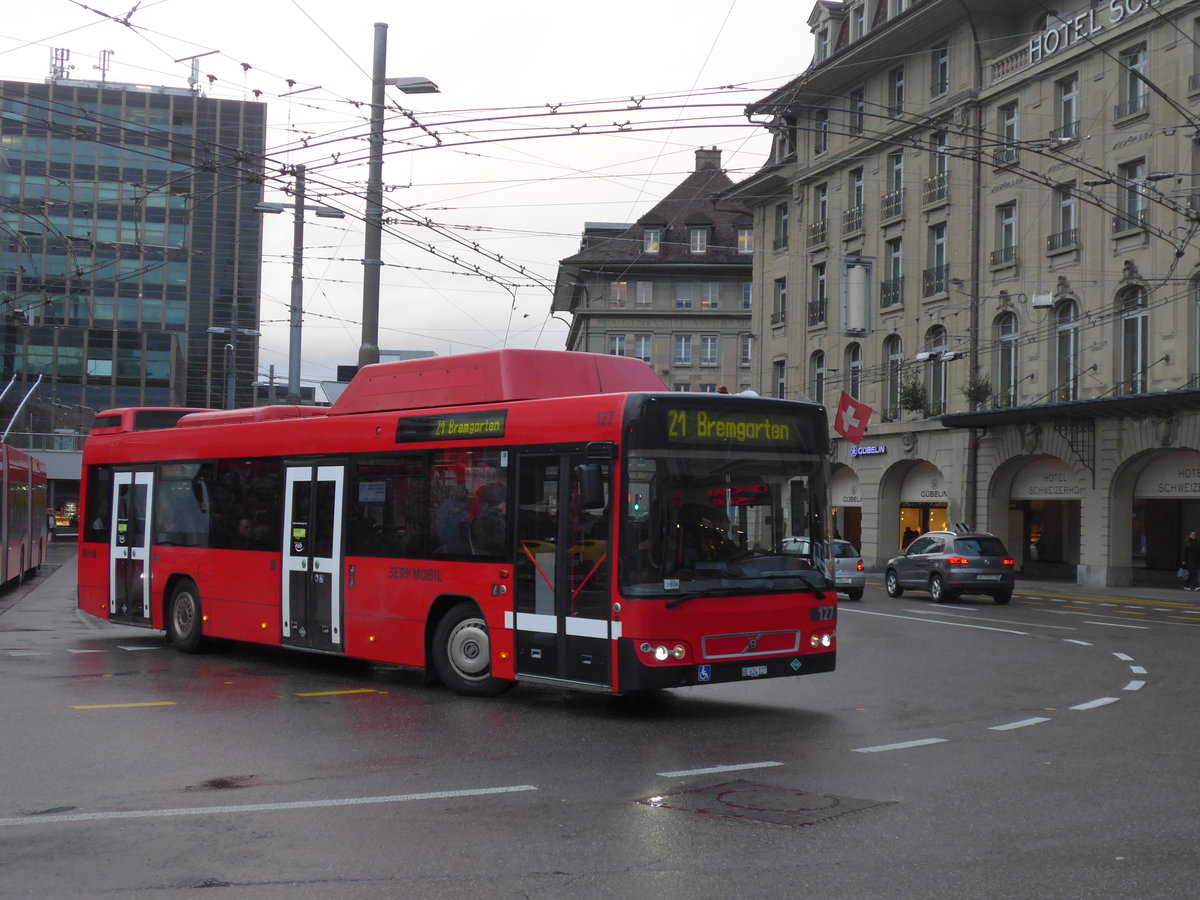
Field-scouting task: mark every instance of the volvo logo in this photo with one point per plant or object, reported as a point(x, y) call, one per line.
point(752, 644)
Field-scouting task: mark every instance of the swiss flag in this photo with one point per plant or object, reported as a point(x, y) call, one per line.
point(852, 417)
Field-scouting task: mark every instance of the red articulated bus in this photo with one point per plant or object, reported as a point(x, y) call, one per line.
point(516, 515)
point(25, 527)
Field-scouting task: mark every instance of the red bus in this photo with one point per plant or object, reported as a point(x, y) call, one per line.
point(515, 515)
point(24, 525)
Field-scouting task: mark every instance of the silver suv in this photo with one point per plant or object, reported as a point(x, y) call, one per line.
point(949, 563)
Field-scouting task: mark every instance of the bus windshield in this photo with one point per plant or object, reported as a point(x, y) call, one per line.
point(710, 521)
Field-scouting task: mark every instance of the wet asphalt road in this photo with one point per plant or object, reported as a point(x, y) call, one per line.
point(1043, 749)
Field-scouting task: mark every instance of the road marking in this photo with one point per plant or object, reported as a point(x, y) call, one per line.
point(1124, 657)
point(903, 746)
point(73, 650)
point(683, 773)
point(133, 649)
point(1074, 641)
point(1119, 625)
point(1038, 720)
point(867, 612)
point(28, 653)
point(124, 705)
point(1092, 704)
point(255, 807)
point(338, 693)
point(1138, 670)
point(1135, 685)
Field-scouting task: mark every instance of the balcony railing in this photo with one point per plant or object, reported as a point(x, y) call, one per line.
point(1130, 221)
point(892, 204)
point(1062, 240)
point(818, 232)
point(891, 293)
point(816, 311)
point(1067, 132)
point(1005, 156)
point(1004, 256)
point(852, 219)
point(935, 280)
point(778, 318)
point(1132, 107)
point(780, 243)
point(935, 188)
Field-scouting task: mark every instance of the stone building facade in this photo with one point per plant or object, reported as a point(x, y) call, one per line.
point(980, 219)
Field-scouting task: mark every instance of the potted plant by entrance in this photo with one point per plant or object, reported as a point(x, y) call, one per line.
point(977, 390)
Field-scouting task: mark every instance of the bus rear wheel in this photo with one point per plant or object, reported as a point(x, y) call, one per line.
point(462, 653)
point(183, 617)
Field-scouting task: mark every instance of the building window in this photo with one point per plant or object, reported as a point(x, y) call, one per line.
point(820, 131)
point(698, 240)
point(1134, 322)
point(683, 350)
point(854, 368)
point(1135, 96)
point(935, 371)
point(852, 218)
point(1010, 135)
point(708, 387)
point(892, 286)
point(683, 295)
point(781, 226)
point(641, 348)
point(896, 91)
point(709, 344)
point(645, 294)
point(710, 294)
point(747, 293)
point(779, 302)
point(1066, 232)
point(937, 276)
point(940, 76)
point(1006, 360)
point(822, 44)
point(937, 185)
point(652, 240)
point(745, 343)
point(817, 306)
point(893, 376)
point(816, 377)
point(1005, 253)
point(858, 22)
point(618, 291)
point(858, 110)
point(819, 227)
point(1066, 91)
point(779, 377)
point(892, 203)
point(1132, 200)
point(1066, 351)
point(616, 345)
point(745, 239)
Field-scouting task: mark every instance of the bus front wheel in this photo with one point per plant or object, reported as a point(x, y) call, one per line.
point(462, 653)
point(183, 617)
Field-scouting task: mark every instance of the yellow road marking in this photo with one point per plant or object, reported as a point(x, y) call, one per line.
point(337, 693)
point(1129, 612)
point(124, 705)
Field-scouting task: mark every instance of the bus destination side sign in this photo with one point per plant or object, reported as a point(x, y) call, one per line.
point(465, 426)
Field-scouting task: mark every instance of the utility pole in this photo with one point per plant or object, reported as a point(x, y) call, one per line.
point(368, 351)
point(293, 390)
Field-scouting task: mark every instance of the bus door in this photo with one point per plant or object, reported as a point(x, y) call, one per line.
point(562, 607)
point(129, 548)
point(312, 557)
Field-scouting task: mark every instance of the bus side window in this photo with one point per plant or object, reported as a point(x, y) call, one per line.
point(98, 505)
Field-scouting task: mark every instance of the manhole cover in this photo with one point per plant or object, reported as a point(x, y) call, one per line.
point(753, 801)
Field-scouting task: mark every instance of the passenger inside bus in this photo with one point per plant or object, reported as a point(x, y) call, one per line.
point(705, 535)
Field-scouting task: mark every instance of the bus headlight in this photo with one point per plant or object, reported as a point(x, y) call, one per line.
point(665, 652)
point(822, 639)
point(661, 653)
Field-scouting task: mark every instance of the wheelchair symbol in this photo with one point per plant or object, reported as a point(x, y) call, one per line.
point(704, 673)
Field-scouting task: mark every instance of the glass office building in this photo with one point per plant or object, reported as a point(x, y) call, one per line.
point(130, 251)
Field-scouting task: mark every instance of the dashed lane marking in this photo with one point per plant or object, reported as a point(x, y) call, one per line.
point(684, 773)
point(124, 705)
point(905, 745)
point(339, 693)
point(1024, 723)
point(1093, 704)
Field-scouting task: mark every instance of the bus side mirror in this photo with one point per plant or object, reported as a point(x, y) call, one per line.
point(591, 486)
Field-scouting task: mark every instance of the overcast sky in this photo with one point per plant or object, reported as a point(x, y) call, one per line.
point(527, 88)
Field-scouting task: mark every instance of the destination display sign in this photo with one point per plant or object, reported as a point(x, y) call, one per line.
point(725, 426)
point(464, 426)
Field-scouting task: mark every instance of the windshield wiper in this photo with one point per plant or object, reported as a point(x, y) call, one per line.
point(711, 592)
point(816, 589)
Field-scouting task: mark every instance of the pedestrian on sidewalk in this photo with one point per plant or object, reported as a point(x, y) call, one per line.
point(1191, 562)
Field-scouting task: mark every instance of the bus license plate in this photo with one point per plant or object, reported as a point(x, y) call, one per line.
point(753, 671)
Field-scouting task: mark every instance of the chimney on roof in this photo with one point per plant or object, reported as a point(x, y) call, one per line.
point(708, 159)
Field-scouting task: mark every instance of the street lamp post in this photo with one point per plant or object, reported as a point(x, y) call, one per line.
point(368, 351)
point(231, 357)
point(297, 310)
